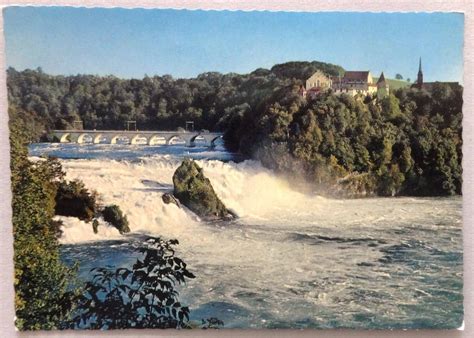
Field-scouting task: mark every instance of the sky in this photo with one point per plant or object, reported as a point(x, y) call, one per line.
point(132, 43)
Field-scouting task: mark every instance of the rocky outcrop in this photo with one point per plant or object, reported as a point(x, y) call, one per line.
point(169, 198)
point(195, 191)
point(95, 226)
point(114, 216)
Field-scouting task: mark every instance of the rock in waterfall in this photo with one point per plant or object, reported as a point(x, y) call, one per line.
point(169, 198)
point(195, 191)
point(114, 216)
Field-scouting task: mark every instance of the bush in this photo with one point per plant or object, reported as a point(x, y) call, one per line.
point(114, 216)
point(141, 297)
point(73, 199)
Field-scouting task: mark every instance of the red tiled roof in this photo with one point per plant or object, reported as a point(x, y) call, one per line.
point(356, 75)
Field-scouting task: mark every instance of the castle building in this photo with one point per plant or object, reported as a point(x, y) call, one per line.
point(318, 80)
point(317, 83)
point(302, 91)
point(355, 82)
point(352, 83)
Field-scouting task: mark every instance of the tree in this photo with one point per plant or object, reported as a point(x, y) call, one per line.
point(141, 297)
point(263, 117)
point(399, 77)
point(44, 291)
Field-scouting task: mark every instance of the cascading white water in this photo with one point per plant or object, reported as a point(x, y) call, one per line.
point(247, 188)
point(290, 260)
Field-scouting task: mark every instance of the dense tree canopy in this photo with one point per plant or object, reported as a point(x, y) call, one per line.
point(158, 102)
point(406, 143)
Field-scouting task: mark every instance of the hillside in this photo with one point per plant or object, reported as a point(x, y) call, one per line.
point(408, 143)
point(395, 84)
point(158, 102)
point(301, 70)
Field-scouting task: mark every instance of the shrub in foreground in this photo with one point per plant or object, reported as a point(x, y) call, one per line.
point(141, 297)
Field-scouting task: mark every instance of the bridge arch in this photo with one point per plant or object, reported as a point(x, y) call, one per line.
point(157, 139)
point(135, 139)
point(197, 139)
point(173, 138)
point(119, 137)
point(97, 138)
point(64, 138)
point(213, 141)
point(82, 138)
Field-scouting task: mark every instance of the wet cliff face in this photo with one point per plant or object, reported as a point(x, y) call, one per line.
point(195, 191)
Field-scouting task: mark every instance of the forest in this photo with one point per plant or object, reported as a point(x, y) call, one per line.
point(408, 143)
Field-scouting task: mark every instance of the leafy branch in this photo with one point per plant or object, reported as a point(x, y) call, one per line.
point(141, 297)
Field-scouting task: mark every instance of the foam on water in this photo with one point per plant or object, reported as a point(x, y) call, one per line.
point(77, 231)
point(290, 260)
point(250, 190)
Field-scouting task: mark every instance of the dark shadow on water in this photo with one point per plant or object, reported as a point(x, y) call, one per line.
point(320, 239)
point(156, 184)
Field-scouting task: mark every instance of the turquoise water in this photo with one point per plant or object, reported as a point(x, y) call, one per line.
point(290, 260)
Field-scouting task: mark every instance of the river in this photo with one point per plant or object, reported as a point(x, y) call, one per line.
point(291, 260)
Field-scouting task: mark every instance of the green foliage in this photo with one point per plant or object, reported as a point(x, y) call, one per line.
point(73, 199)
point(412, 133)
point(195, 191)
point(42, 283)
point(141, 297)
point(302, 70)
point(114, 216)
point(406, 143)
point(391, 107)
point(212, 100)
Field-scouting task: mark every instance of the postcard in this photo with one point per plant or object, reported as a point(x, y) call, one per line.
point(191, 169)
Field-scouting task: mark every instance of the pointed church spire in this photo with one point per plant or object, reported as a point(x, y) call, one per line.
point(419, 80)
point(381, 78)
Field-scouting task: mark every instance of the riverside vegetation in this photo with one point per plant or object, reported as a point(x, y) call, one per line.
point(47, 293)
point(408, 143)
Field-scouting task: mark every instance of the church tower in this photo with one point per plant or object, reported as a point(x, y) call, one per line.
point(419, 80)
point(382, 87)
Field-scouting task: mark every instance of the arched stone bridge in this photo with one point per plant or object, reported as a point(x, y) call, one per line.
point(136, 137)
